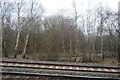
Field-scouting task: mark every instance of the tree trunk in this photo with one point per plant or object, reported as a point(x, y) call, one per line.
point(70, 44)
point(17, 42)
point(101, 35)
point(4, 48)
point(25, 46)
point(63, 42)
point(35, 44)
point(102, 48)
point(1, 39)
point(94, 46)
point(118, 49)
point(76, 18)
point(35, 47)
point(19, 29)
point(77, 42)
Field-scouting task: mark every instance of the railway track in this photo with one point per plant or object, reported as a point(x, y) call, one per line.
point(16, 66)
point(26, 76)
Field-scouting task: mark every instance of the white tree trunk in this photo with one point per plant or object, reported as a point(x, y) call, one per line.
point(25, 46)
point(70, 44)
point(17, 41)
point(63, 42)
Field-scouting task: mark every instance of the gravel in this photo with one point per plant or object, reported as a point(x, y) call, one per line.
point(59, 72)
point(56, 62)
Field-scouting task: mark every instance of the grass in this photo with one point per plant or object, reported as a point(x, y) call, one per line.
point(47, 57)
point(110, 61)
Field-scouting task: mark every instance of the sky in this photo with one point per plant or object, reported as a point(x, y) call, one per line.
point(55, 6)
point(65, 6)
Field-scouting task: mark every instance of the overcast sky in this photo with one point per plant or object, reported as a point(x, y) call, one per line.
point(55, 6)
point(67, 4)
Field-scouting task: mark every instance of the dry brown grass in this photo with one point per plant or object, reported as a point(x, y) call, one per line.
point(110, 61)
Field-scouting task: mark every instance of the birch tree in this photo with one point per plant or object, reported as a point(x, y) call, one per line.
point(19, 26)
point(75, 22)
point(32, 17)
point(103, 17)
point(100, 29)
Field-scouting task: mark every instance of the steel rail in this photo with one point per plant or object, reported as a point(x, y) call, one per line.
point(33, 66)
point(59, 64)
point(66, 76)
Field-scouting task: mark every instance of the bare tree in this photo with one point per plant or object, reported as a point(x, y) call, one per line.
point(19, 26)
point(77, 36)
point(63, 35)
point(32, 17)
point(101, 28)
point(0, 40)
point(30, 25)
point(5, 18)
point(118, 34)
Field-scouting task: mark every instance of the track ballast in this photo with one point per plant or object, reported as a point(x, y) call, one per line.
point(59, 69)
